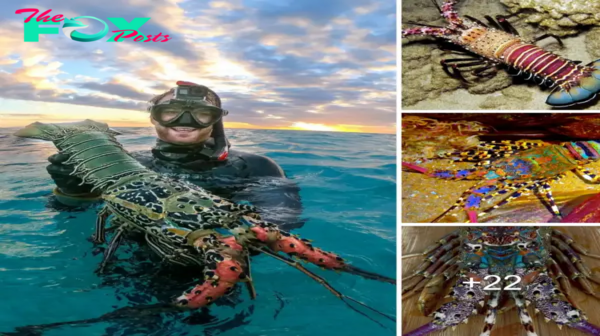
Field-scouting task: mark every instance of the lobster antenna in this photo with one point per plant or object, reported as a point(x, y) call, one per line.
point(437, 5)
point(323, 282)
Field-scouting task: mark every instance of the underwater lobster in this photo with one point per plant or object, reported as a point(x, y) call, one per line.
point(489, 47)
point(515, 166)
point(532, 265)
point(181, 222)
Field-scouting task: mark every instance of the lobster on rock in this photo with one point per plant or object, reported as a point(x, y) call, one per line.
point(181, 222)
point(490, 47)
point(531, 265)
point(507, 166)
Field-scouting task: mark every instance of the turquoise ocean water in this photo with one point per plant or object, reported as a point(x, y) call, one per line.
point(348, 190)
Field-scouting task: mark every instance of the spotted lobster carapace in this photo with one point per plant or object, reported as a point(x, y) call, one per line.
point(490, 46)
point(179, 221)
point(492, 267)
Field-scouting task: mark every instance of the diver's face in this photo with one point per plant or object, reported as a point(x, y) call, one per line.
point(180, 135)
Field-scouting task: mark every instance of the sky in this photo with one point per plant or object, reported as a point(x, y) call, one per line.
point(276, 64)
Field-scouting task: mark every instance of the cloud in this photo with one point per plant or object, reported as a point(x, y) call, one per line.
point(272, 63)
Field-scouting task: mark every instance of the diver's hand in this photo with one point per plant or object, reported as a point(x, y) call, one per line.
point(67, 184)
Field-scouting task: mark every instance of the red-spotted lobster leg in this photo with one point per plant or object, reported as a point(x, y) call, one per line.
point(225, 264)
point(281, 241)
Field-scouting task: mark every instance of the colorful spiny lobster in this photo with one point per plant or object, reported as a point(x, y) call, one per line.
point(181, 222)
point(499, 44)
point(532, 265)
point(515, 166)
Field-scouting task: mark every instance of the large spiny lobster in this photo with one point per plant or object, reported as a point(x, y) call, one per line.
point(541, 259)
point(520, 166)
point(491, 47)
point(179, 220)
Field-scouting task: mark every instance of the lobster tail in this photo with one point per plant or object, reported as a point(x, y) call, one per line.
point(98, 159)
point(588, 88)
point(57, 132)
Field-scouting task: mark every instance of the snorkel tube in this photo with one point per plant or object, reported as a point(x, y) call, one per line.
point(221, 148)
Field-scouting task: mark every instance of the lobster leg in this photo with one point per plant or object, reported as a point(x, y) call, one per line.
point(490, 317)
point(480, 72)
point(430, 296)
point(511, 197)
point(471, 196)
point(493, 22)
point(558, 274)
point(574, 273)
point(506, 25)
point(110, 250)
point(428, 253)
point(587, 175)
point(268, 234)
point(573, 256)
point(544, 186)
point(523, 315)
point(224, 269)
point(457, 311)
point(573, 244)
point(441, 265)
point(541, 37)
point(320, 280)
point(99, 237)
point(426, 31)
point(250, 284)
point(551, 302)
point(475, 20)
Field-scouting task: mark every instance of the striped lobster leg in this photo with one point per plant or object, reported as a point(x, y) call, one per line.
point(100, 231)
point(490, 317)
point(526, 320)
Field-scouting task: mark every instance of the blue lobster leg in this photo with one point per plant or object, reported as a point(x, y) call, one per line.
point(470, 196)
point(516, 194)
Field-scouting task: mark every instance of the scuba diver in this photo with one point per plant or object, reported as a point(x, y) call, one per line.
point(191, 144)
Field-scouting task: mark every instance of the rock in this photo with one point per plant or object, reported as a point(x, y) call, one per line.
point(560, 17)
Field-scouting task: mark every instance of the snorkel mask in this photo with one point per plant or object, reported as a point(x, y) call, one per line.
point(194, 106)
point(188, 108)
